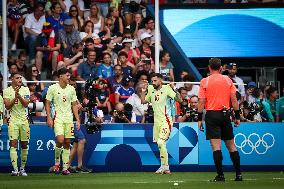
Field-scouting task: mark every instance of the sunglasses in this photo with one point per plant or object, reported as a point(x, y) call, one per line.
point(73, 10)
point(34, 70)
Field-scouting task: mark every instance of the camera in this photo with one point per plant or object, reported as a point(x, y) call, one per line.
point(121, 115)
point(92, 127)
point(250, 111)
point(149, 116)
point(91, 91)
point(190, 113)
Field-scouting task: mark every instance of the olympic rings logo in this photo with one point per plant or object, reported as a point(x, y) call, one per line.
point(254, 143)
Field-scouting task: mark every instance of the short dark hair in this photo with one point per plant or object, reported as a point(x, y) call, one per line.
point(122, 53)
point(21, 54)
point(181, 89)
point(215, 63)
point(62, 71)
point(13, 74)
point(89, 40)
point(157, 75)
point(189, 78)
point(270, 90)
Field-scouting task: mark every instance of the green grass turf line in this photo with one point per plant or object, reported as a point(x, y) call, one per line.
point(188, 180)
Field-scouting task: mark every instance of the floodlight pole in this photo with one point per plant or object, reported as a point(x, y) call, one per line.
point(157, 37)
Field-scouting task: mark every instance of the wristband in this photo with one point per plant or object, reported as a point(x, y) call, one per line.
point(199, 117)
point(237, 114)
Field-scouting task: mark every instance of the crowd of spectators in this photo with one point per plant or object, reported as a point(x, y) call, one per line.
point(113, 42)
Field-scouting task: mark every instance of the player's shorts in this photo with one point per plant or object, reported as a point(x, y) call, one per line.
point(79, 135)
point(65, 129)
point(162, 130)
point(218, 125)
point(19, 130)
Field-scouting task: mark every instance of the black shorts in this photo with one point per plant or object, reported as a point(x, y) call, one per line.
point(218, 125)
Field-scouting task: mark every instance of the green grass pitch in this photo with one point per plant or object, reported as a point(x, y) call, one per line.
point(186, 180)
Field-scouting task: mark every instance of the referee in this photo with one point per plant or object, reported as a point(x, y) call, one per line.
point(217, 93)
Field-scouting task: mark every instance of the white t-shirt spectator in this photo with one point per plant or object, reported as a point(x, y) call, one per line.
point(138, 107)
point(34, 24)
point(194, 91)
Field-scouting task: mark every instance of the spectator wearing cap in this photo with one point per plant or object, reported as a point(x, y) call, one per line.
point(33, 27)
point(250, 97)
point(166, 67)
point(146, 47)
point(149, 28)
point(72, 57)
point(47, 47)
point(125, 90)
point(87, 30)
point(96, 18)
point(127, 67)
point(69, 35)
point(232, 73)
point(88, 69)
point(105, 70)
point(57, 17)
point(131, 53)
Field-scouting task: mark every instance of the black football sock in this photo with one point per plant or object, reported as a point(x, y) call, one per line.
point(218, 158)
point(235, 157)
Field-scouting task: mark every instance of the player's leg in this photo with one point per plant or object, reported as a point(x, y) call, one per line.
point(68, 135)
point(164, 133)
point(24, 137)
point(213, 120)
point(65, 155)
point(13, 132)
point(58, 130)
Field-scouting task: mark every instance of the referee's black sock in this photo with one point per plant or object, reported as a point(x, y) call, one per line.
point(235, 157)
point(218, 158)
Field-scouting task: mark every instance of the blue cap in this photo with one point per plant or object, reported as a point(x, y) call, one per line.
point(252, 84)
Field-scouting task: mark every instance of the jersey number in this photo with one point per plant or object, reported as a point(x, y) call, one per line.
point(16, 101)
point(64, 98)
point(157, 98)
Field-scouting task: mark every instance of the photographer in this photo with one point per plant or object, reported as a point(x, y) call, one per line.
point(189, 113)
point(148, 116)
point(123, 114)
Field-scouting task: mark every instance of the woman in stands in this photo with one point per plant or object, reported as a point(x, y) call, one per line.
point(96, 18)
point(77, 20)
point(33, 75)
